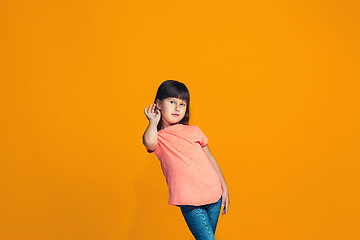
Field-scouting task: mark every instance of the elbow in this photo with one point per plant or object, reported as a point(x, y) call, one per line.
point(149, 141)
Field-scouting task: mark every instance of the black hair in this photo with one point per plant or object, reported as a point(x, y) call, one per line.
point(173, 88)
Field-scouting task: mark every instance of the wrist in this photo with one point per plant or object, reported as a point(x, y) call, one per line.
point(153, 123)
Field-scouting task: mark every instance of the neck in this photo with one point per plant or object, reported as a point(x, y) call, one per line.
point(165, 124)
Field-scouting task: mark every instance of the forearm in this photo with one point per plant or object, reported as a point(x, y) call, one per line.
point(150, 134)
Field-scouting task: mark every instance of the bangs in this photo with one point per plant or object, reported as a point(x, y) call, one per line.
point(175, 90)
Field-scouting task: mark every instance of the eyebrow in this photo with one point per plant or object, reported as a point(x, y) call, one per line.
point(180, 99)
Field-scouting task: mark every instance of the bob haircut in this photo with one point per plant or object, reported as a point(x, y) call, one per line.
point(173, 88)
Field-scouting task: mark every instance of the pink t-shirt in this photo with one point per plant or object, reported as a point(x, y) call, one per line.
point(190, 176)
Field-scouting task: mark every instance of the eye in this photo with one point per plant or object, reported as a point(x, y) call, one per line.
point(183, 104)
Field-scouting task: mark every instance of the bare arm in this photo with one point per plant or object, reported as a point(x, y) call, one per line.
point(225, 195)
point(216, 166)
point(150, 136)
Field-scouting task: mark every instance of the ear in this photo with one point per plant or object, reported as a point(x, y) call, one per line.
point(158, 104)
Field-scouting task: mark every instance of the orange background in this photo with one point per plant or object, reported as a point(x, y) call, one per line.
point(274, 86)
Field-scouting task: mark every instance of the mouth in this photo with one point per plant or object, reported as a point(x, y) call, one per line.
point(176, 115)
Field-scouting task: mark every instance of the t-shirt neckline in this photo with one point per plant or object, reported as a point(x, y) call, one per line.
point(171, 126)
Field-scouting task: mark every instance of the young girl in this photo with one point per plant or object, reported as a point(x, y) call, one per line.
point(195, 181)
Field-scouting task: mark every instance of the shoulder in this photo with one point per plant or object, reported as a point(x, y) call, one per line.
point(193, 128)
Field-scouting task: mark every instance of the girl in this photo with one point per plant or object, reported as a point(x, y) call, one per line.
point(195, 181)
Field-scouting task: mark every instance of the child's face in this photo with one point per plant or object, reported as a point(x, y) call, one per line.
point(172, 109)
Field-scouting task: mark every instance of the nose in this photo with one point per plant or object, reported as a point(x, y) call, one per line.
point(177, 108)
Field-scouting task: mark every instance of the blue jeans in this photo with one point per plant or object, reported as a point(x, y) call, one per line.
point(202, 220)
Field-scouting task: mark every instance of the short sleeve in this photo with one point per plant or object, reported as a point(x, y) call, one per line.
point(202, 138)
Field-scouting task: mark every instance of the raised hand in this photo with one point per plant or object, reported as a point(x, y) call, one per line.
point(152, 114)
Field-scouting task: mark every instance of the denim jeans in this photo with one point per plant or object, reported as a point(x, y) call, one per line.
point(202, 220)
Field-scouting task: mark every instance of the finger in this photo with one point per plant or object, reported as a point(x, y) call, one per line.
point(226, 206)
